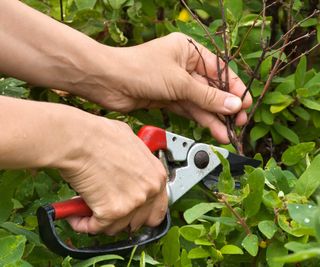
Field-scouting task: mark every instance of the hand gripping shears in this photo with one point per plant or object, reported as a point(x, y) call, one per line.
point(187, 163)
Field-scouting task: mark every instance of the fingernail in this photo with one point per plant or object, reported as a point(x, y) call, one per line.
point(232, 103)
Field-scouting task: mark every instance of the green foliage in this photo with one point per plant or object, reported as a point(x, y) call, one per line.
point(272, 220)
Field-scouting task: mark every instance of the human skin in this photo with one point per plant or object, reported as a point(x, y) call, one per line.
point(89, 150)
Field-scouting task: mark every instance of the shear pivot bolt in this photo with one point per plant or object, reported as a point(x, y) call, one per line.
point(201, 159)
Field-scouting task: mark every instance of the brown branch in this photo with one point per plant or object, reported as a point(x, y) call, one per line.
point(295, 59)
point(273, 72)
point(204, 27)
point(290, 31)
point(210, 81)
point(249, 30)
point(229, 120)
point(240, 220)
point(305, 36)
point(254, 74)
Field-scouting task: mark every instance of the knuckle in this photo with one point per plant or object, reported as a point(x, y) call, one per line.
point(110, 232)
point(154, 221)
point(210, 96)
point(177, 35)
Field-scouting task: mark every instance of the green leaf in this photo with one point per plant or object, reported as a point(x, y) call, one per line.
point(21, 230)
point(287, 86)
point(115, 4)
point(235, 7)
point(266, 67)
point(198, 253)
point(309, 103)
point(300, 73)
point(266, 116)
point(317, 224)
point(226, 182)
point(231, 249)
point(275, 250)
point(82, 4)
point(66, 262)
point(198, 210)
point(301, 112)
point(308, 92)
point(12, 87)
point(299, 256)
point(279, 107)
point(297, 246)
point(318, 33)
point(11, 248)
point(303, 214)
point(142, 259)
point(316, 119)
point(275, 98)
point(10, 180)
point(147, 258)
point(94, 260)
point(289, 226)
point(171, 246)
point(256, 184)
point(309, 22)
point(296, 153)
point(287, 133)
point(271, 200)
point(268, 228)
point(185, 261)
point(192, 232)
point(309, 181)
point(258, 131)
point(250, 244)
point(116, 34)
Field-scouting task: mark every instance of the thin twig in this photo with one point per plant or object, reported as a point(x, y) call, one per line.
point(240, 220)
point(294, 27)
point(305, 36)
point(273, 72)
point(204, 27)
point(249, 30)
point(210, 81)
point(295, 59)
point(254, 74)
point(229, 119)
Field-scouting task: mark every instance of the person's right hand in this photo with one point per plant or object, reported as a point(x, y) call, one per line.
point(118, 177)
point(122, 182)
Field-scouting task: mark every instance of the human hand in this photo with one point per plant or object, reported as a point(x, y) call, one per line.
point(168, 72)
point(122, 182)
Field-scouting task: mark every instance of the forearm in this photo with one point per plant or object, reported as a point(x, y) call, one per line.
point(42, 51)
point(36, 134)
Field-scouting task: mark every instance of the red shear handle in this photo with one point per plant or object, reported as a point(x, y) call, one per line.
point(71, 207)
point(154, 138)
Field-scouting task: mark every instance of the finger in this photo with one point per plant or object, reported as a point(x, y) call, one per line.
point(207, 63)
point(208, 120)
point(238, 88)
point(241, 118)
point(151, 214)
point(118, 226)
point(210, 98)
point(87, 225)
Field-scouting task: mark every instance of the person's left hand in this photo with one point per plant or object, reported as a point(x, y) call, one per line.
point(169, 72)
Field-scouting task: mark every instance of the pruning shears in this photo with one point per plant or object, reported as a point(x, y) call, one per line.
point(187, 163)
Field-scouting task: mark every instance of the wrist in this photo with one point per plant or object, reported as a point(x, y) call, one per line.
point(38, 134)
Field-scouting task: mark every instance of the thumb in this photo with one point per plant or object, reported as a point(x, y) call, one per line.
point(212, 99)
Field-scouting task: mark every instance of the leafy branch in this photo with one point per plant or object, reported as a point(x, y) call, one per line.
point(225, 56)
